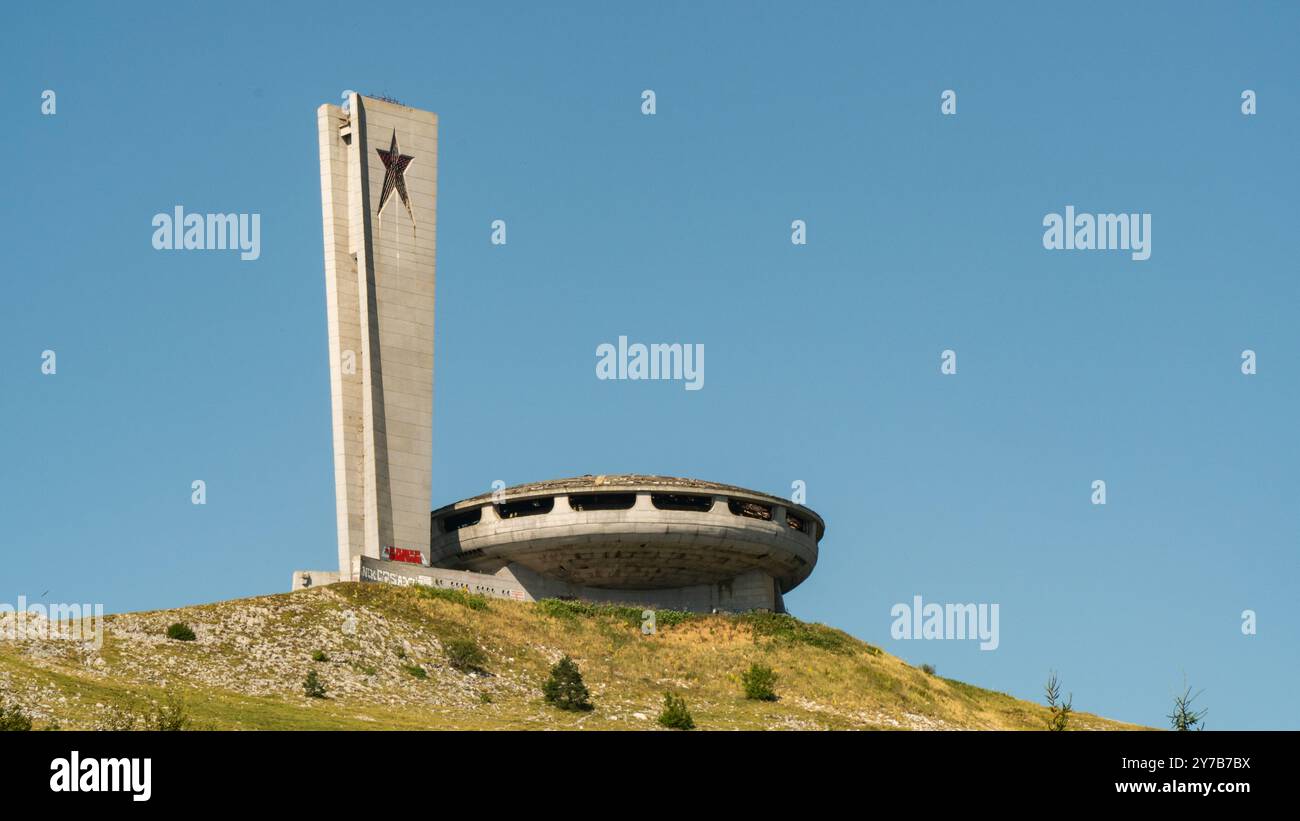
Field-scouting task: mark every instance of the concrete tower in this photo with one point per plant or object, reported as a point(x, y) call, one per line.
point(379, 170)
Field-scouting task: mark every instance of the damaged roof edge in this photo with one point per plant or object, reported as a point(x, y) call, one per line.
point(626, 481)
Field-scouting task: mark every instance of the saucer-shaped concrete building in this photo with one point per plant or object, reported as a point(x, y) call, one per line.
point(655, 540)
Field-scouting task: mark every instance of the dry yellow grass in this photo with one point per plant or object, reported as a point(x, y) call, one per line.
point(246, 667)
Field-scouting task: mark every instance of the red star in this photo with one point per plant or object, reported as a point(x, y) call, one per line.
point(395, 164)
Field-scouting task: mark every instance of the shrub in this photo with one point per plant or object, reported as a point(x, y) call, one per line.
point(180, 631)
point(169, 716)
point(760, 682)
point(12, 718)
point(319, 655)
point(312, 685)
point(415, 671)
point(928, 669)
point(675, 715)
point(565, 688)
point(465, 655)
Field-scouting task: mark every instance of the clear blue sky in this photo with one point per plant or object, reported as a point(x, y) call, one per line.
point(822, 361)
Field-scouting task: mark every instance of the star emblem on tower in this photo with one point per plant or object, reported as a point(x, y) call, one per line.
point(395, 165)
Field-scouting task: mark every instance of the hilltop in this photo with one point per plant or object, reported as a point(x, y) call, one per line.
point(382, 656)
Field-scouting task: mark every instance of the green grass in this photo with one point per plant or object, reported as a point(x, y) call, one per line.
point(785, 628)
point(471, 600)
point(630, 616)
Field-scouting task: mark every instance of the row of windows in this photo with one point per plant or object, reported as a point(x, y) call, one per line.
point(618, 501)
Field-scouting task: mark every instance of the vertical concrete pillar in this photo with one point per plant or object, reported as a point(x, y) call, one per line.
point(379, 165)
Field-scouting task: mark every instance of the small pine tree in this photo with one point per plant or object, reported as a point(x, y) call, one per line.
point(760, 682)
point(1184, 718)
point(565, 688)
point(1060, 718)
point(675, 715)
point(13, 718)
point(319, 655)
point(312, 685)
point(928, 669)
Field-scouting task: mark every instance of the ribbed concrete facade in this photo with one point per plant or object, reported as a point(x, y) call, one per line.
point(379, 204)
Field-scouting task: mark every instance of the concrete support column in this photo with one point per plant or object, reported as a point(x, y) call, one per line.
point(778, 515)
point(720, 507)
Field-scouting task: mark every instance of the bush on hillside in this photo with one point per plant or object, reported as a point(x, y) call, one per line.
point(312, 686)
point(12, 718)
point(465, 655)
point(565, 688)
point(759, 682)
point(180, 631)
point(675, 715)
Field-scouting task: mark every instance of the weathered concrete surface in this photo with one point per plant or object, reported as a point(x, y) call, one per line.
point(751, 591)
point(303, 579)
point(642, 547)
point(379, 284)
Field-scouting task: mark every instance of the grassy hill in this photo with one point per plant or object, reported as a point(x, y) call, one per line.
point(384, 664)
